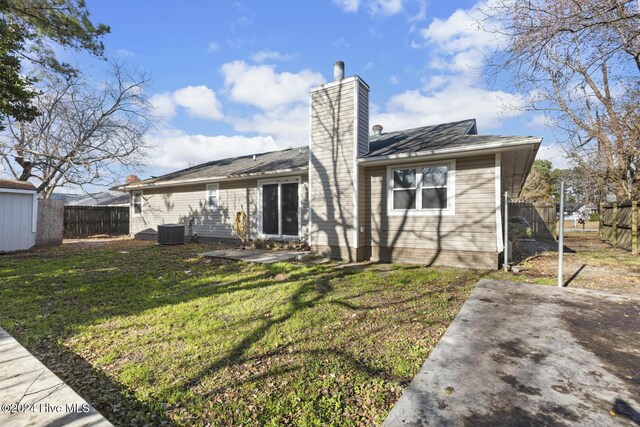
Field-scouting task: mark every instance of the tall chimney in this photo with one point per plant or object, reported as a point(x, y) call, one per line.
point(339, 134)
point(338, 71)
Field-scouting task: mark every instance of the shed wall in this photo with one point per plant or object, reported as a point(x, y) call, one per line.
point(16, 221)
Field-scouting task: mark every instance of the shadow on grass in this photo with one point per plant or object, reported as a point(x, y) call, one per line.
point(59, 296)
point(113, 400)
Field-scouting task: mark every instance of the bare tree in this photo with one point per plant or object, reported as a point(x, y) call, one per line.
point(85, 133)
point(579, 61)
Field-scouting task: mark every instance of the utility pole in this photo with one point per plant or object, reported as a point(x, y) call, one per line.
point(561, 235)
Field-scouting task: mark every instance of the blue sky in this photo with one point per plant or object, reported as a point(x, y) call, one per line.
point(231, 78)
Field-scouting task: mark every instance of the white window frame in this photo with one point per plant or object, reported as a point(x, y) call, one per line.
point(133, 203)
point(209, 190)
point(280, 181)
point(418, 211)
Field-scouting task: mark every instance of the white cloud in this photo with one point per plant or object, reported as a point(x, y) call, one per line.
point(174, 149)
point(288, 126)
point(283, 99)
point(199, 101)
point(421, 14)
point(453, 102)
point(261, 86)
point(462, 30)
point(458, 48)
point(213, 47)
point(556, 154)
point(434, 82)
point(281, 119)
point(348, 5)
point(124, 53)
point(386, 7)
point(270, 55)
point(394, 80)
point(163, 106)
point(461, 41)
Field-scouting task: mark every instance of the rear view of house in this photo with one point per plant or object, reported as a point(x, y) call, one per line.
point(428, 195)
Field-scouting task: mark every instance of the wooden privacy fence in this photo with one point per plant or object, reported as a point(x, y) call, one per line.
point(619, 225)
point(542, 218)
point(82, 221)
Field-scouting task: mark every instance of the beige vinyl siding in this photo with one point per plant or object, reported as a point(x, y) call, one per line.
point(363, 120)
point(332, 165)
point(472, 228)
point(362, 208)
point(176, 205)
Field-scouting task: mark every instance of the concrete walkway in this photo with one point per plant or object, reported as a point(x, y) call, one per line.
point(528, 355)
point(263, 256)
point(31, 395)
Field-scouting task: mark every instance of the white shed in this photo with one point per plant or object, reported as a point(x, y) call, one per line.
point(18, 215)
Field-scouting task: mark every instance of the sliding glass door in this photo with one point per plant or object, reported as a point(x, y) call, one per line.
point(280, 208)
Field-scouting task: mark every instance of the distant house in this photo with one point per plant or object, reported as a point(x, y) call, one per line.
point(104, 198)
point(588, 209)
point(429, 195)
point(66, 198)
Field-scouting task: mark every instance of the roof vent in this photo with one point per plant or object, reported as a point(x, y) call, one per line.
point(254, 157)
point(338, 71)
point(299, 150)
point(377, 129)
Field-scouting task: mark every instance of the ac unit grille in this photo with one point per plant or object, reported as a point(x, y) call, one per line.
point(171, 234)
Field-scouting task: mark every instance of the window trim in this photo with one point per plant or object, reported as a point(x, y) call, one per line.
point(279, 181)
point(451, 189)
point(208, 191)
point(133, 203)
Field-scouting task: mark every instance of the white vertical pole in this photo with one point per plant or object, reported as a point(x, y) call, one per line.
point(505, 263)
point(561, 235)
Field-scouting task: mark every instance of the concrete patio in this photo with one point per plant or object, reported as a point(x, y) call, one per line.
point(263, 256)
point(32, 395)
point(525, 355)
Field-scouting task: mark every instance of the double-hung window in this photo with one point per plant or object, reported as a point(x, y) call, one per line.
point(212, 198)
point(137, 202)
point(422, 189)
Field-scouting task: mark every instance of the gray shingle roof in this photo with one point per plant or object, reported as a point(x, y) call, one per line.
point(290, 159)
point(432, 138)
point(424, 138)
point(418, 140)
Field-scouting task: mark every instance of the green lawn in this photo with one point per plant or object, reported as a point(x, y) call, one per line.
point(160, 335)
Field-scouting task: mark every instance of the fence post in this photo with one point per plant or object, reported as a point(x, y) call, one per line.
point(601, 221)
point(505, 264)
point(614, 225)
point(634, 227)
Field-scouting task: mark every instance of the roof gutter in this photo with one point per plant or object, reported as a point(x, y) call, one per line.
point(212, 179)
point(490, 148)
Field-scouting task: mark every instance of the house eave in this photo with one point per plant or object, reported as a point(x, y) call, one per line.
point(489, 148)
point(235, 177)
